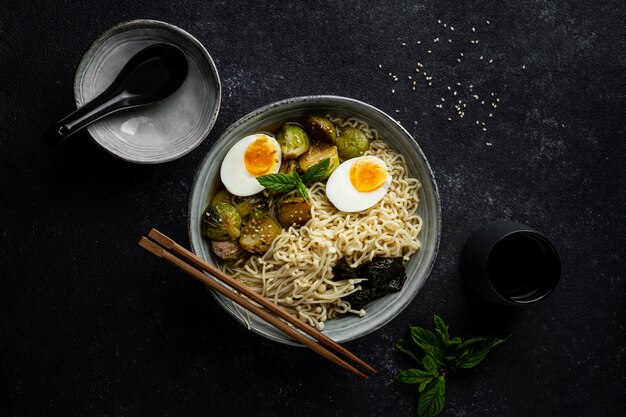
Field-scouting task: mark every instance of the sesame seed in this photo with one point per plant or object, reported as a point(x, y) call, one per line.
point(523, 67)
point(419, 42)
point(449, 88)
point(458, 59)
point(451, 28)
point(393, 91)
point(380, 65)
point(488, 22)
point(481, 57)
point(473, 29)
point(403, 43)
point(449, 40)
point(449, 119)
point(490, 61)
point(430, 52)
point(484, 129)
point(445, 25)
point(439, 21)
point(443, 99)
point(461, 53)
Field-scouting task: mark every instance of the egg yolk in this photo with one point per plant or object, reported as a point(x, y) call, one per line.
point(367, 175)
point(260, 157)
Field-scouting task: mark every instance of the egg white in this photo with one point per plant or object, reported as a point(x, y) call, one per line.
point(345, 197)
point(235, 176)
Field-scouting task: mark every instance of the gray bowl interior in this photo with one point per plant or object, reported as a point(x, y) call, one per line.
point(381, 311)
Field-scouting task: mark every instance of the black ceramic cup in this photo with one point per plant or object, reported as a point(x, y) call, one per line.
point(510, 263)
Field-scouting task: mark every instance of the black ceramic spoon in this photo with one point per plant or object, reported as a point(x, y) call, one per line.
point(151, 75)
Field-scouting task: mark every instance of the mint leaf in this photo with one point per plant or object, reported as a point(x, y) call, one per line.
point(430, 365)
point(429, 343)
point(278, 182)
point(442, 330)
point(478, 351)
point(403, 346)
point(301, 188)
point(432, 399)
point(317, 172)
point(414, 376)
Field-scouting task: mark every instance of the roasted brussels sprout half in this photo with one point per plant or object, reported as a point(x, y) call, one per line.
point(220, 221)
point(293, 141)
point(227, 250)
point(222, 197)
point(289, 166)
point(258, 233)
point(320, 129)
point(317, 153)
point(351, 143)
point(293, 211)
point(248, 205)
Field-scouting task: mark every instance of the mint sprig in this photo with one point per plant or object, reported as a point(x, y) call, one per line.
point(437, 355)
point(283, 183)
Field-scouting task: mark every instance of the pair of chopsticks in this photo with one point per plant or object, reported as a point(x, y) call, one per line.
point(185, 260)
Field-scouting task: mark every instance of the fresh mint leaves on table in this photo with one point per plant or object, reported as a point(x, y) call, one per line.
point(283, 183)
point(437, 354)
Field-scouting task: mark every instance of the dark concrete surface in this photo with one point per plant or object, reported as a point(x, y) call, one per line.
point(90, 325)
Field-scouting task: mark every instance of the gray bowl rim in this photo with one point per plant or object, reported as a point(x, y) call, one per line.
point(158, 23)
point(313, 99)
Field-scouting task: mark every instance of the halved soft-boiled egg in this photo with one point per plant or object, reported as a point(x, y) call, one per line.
point(251, 157)
point(358, 183)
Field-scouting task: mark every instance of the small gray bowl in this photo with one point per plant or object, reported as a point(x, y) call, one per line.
point(162, 131)
point(380, 311)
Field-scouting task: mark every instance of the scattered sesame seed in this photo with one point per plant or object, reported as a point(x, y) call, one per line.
point(410, 77)
point(454, 93)
point(477, 122)
point(449, 119)
point(458, 59)
point(461, 53)
point(380, 65)
point(393, 91)
point(449, 88)
point(397, 110)
point(473, 29)
point(445, 25)
point(459, 84)
point(419, 42)
point(490, 61)
point(443, 99)
point(439, 21)
point(490, 114)
point(403, 43)
point(523, 67)
point(449, 40)
point(451, 28)
point(430, 52)
point(484, 129)
point(430, 83)
point(481, 57)
point(413, 88)
point(488, 22)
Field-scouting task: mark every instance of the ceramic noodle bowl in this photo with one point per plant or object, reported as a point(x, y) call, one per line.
point(379, 311)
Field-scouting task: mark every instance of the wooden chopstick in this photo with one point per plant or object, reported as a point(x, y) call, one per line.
point(198, 263)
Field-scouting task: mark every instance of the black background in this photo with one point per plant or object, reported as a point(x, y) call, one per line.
point(91, 325)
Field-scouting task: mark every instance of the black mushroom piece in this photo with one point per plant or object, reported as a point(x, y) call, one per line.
point(384, 275)
point(293, 211)
point(220, 220)
point(293, 141)
point(227, 250)
point(320, 129)
point(317, 153)
point(258, 233)
point(351, 143)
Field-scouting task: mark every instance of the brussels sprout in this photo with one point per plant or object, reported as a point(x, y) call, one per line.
point(320, 129)
point(227, 250)
point(220, 221)
point(317, 153)
point(289, 166)
point(222, 197)
point(258, 233)
point(351, 143)
point(293, 211)
point(293, 141)
point(247, 205)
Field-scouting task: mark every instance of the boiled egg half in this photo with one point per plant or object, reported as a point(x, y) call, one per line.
point(251, 157)
point(358, 183)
